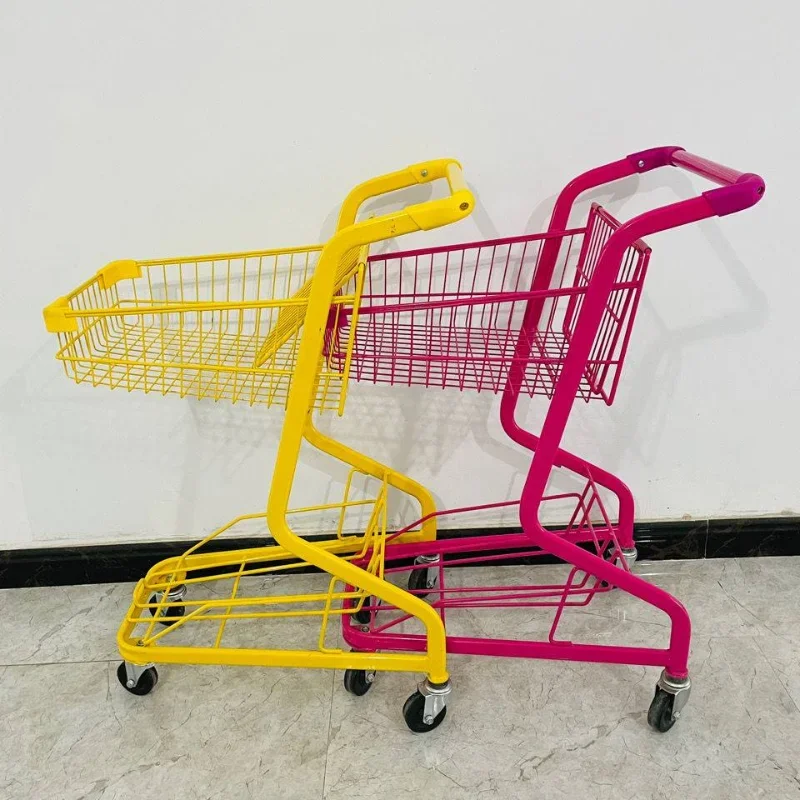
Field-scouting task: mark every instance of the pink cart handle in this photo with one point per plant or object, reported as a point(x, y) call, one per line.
point(739, 190)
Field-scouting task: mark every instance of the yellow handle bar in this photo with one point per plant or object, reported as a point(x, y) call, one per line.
point(427, 215)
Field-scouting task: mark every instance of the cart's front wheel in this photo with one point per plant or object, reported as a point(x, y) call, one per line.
point(358, 681)
point(414, 714)
point(143, 685)
point(671, 696)
point(661, 715)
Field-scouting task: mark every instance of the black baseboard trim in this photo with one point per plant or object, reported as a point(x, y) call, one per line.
point(657, 541)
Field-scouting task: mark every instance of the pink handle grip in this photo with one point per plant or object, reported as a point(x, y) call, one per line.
point(738, 190)
point(718, 173)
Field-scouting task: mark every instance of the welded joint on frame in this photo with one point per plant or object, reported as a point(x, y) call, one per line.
point(116, 271)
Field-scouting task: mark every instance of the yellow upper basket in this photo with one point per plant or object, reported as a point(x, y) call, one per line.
point(228, 326)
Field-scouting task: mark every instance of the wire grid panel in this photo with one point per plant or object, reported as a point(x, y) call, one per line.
point(228, 588)
point(198, 327)
point(453, 316)
point(564, 586)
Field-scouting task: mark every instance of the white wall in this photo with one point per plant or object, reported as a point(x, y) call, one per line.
point(146, 129)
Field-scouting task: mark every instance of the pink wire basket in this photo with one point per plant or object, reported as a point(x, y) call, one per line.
point(451, 317)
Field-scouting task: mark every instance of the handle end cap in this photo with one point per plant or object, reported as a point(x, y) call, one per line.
point(746, 192)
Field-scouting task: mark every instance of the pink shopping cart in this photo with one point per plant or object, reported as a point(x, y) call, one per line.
point(546, 314)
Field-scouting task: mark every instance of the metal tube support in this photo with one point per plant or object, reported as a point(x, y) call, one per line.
point(435, 695)
point(679, 688)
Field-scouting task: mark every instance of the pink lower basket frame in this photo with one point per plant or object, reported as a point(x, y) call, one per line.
point(586, 366)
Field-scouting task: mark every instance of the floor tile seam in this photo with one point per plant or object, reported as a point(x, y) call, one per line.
point(775, 673)
point(328, 735)
point(60, 663)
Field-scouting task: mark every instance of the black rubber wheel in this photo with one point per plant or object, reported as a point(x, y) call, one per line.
point(418, 582)
point(355, 681)
point(660, 716)
point(414, 711)
point(147, 681)
point(167, 611)
point(608, 556)
point(363, 615)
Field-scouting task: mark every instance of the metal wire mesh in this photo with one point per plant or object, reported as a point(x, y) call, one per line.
point(564, 587)
point(452, 316)
point(228, 586)
point(212, 326)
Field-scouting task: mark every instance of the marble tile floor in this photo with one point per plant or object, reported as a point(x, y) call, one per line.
point(514, 728)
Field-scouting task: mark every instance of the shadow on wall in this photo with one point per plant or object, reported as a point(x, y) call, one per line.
point(646, 406)
point(73, 452)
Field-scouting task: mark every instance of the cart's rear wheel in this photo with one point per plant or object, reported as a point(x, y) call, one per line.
point(414, 714)
point(144, 685)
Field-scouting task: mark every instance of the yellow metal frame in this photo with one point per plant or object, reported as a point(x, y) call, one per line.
point(303, 319)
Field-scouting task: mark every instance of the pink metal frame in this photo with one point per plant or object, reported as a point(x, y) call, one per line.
point(598, 567)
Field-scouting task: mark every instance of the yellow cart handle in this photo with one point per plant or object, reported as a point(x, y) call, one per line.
point(428, 215)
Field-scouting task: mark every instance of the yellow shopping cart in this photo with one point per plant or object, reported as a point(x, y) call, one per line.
point(259, 327)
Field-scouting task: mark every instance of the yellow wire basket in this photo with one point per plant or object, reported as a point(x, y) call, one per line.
point(221, 326)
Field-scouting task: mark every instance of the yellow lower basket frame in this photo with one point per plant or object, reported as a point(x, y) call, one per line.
point(291, 551)
point(142, 639)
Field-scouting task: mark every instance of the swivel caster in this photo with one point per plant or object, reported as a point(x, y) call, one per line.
point(175, 595)
point(420, 579)
point(358, 681)
point(427, 707)
point(629, 554)
point(137, 680)
point(364, 615)
point(671, 696)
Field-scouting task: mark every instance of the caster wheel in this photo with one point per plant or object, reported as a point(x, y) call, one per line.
point(146, 683)
point(631, 556)
point(414, 714)
point(419, 580)
point(628, 556)
point(363, 615)
point(609, 557)
point(169, 611)
point(358, 681)
point(660, 715)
